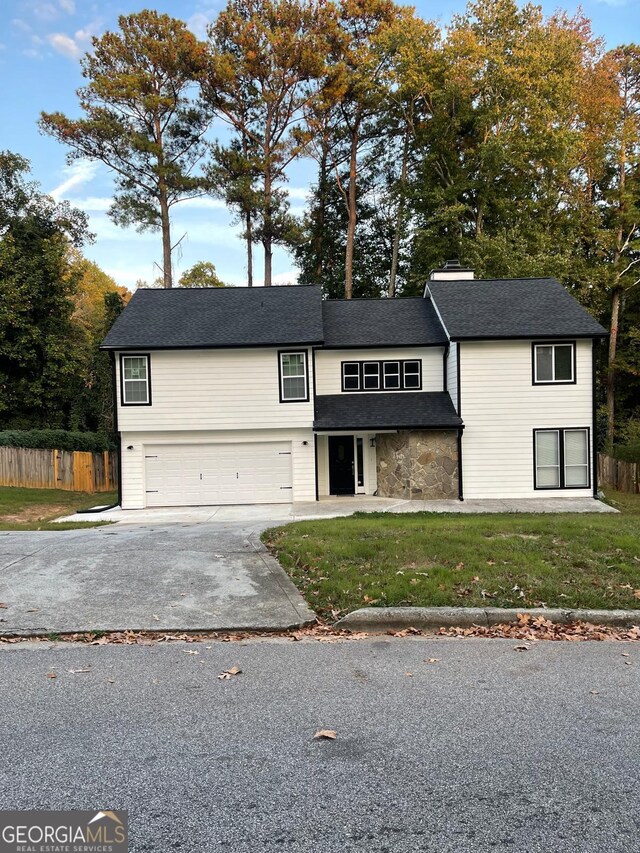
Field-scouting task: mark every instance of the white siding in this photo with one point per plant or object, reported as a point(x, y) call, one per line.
point(452, 374)
point(133, 460)
point(329, 369)
point(215, 390)
point(501, 407)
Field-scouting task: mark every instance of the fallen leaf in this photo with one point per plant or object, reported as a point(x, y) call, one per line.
point(191, 652)
point(628, 663)
point(33, 610)
point(409, 674)
point(111, 681)
point(3, 606)
point(325, 734)
point(52, 675)
point(431, 660)
point(625, 654)
point(595, 692)
point(636, 593)
point(76, 671)
point(229, 673)
point(156, 617)
point(522, 648)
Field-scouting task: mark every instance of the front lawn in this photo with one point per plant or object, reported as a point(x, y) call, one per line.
point(508, 560)
point(33, 509)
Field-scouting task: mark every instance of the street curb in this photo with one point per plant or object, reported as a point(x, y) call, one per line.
point(381, 619)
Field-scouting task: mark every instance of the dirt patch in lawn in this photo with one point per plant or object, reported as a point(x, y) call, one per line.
point(35, 513)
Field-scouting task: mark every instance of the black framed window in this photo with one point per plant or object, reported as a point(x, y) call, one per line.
point(412, 374)
point(391, 371)
point(392, 375)
point(561, 458)
point(135, 380)
point(554, 363)
point(350, 376)
point(371, 376)
point(293, 377)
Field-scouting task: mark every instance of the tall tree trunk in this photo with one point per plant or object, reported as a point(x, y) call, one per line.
point(616, 298)
point(167, 273)
point(351, 211)
point(321, 211)
point(249, 233)
point(267, 231)
point(399, 214)
point(165, 222)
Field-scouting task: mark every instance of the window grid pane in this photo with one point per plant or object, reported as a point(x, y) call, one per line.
point(544, 364)
point(411, 371)
point(391, 374)
point(371, 372)
point(351, 376)
point(563, 363)
point(294, 388)
point(135, 391)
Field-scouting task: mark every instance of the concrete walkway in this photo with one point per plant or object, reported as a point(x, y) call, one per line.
point(266, 514)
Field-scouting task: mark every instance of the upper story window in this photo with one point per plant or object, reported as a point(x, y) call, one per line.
point(392, 375)
point(554, 363)
point(561, 458)
point(135, 380)
point(293, 377)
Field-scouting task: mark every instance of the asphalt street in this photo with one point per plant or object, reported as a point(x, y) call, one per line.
point(485, 748)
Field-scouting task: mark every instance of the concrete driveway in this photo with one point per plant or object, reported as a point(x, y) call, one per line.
point(165, 577)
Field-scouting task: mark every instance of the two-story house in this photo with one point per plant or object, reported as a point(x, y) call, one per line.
point(479, 389)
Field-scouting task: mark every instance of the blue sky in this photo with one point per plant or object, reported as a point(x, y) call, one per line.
point(40, 44)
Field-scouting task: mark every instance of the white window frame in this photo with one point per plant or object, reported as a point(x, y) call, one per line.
point(397, 375)
point(123, 380)
point(365, 364)
point(355, 375)
point(417, 373)
point(553, 346)
point(303, 375)
point(561, 433)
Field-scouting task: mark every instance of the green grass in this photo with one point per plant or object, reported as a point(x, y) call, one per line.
point(33, 509)
point(507, 560)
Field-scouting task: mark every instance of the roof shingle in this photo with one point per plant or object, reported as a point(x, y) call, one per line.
point(401, 410)
point(219, 317)
point(381, 322)
point(492, 309)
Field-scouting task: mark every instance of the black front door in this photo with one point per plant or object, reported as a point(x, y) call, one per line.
point(341, 465)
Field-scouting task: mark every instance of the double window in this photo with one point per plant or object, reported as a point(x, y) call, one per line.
point(294, 387)
point(561, 458)
point(554, 364)
point(135, 382)
point(396, 375)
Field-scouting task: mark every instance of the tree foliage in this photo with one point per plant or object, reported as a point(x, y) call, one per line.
point(201, 274)
point(140, 120)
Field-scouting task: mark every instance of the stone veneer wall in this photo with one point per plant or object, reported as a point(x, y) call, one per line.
point(418, 464)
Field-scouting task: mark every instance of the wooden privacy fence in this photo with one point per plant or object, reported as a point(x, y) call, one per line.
point(623, 476)
point(72, 470)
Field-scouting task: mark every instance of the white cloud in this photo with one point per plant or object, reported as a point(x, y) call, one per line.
point(67, 6)
point(290, 277)
point(300, 193)
point(78, 173)
point(73, 47)
point(198, 23)
point(65, 45)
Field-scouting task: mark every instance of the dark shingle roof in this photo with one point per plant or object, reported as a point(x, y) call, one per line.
point(511, 308)
point(401, 410)
point(219, 317)
point(381, 322)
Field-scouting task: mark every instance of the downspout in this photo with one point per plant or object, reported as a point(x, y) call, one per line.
point(459, 396)
point(114, 388)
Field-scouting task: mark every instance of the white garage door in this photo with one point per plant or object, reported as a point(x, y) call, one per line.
point(210, 474)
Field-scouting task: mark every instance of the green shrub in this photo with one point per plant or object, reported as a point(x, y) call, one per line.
point(56, 439)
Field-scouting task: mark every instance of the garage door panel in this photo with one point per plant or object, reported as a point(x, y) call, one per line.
point(197, 475)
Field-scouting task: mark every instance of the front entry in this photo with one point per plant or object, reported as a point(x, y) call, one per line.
point(341, 465)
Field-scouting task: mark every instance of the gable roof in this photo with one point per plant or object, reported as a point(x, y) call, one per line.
point(381, 322)
point(405, 410)
point(490, 309)
point(183, 318)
